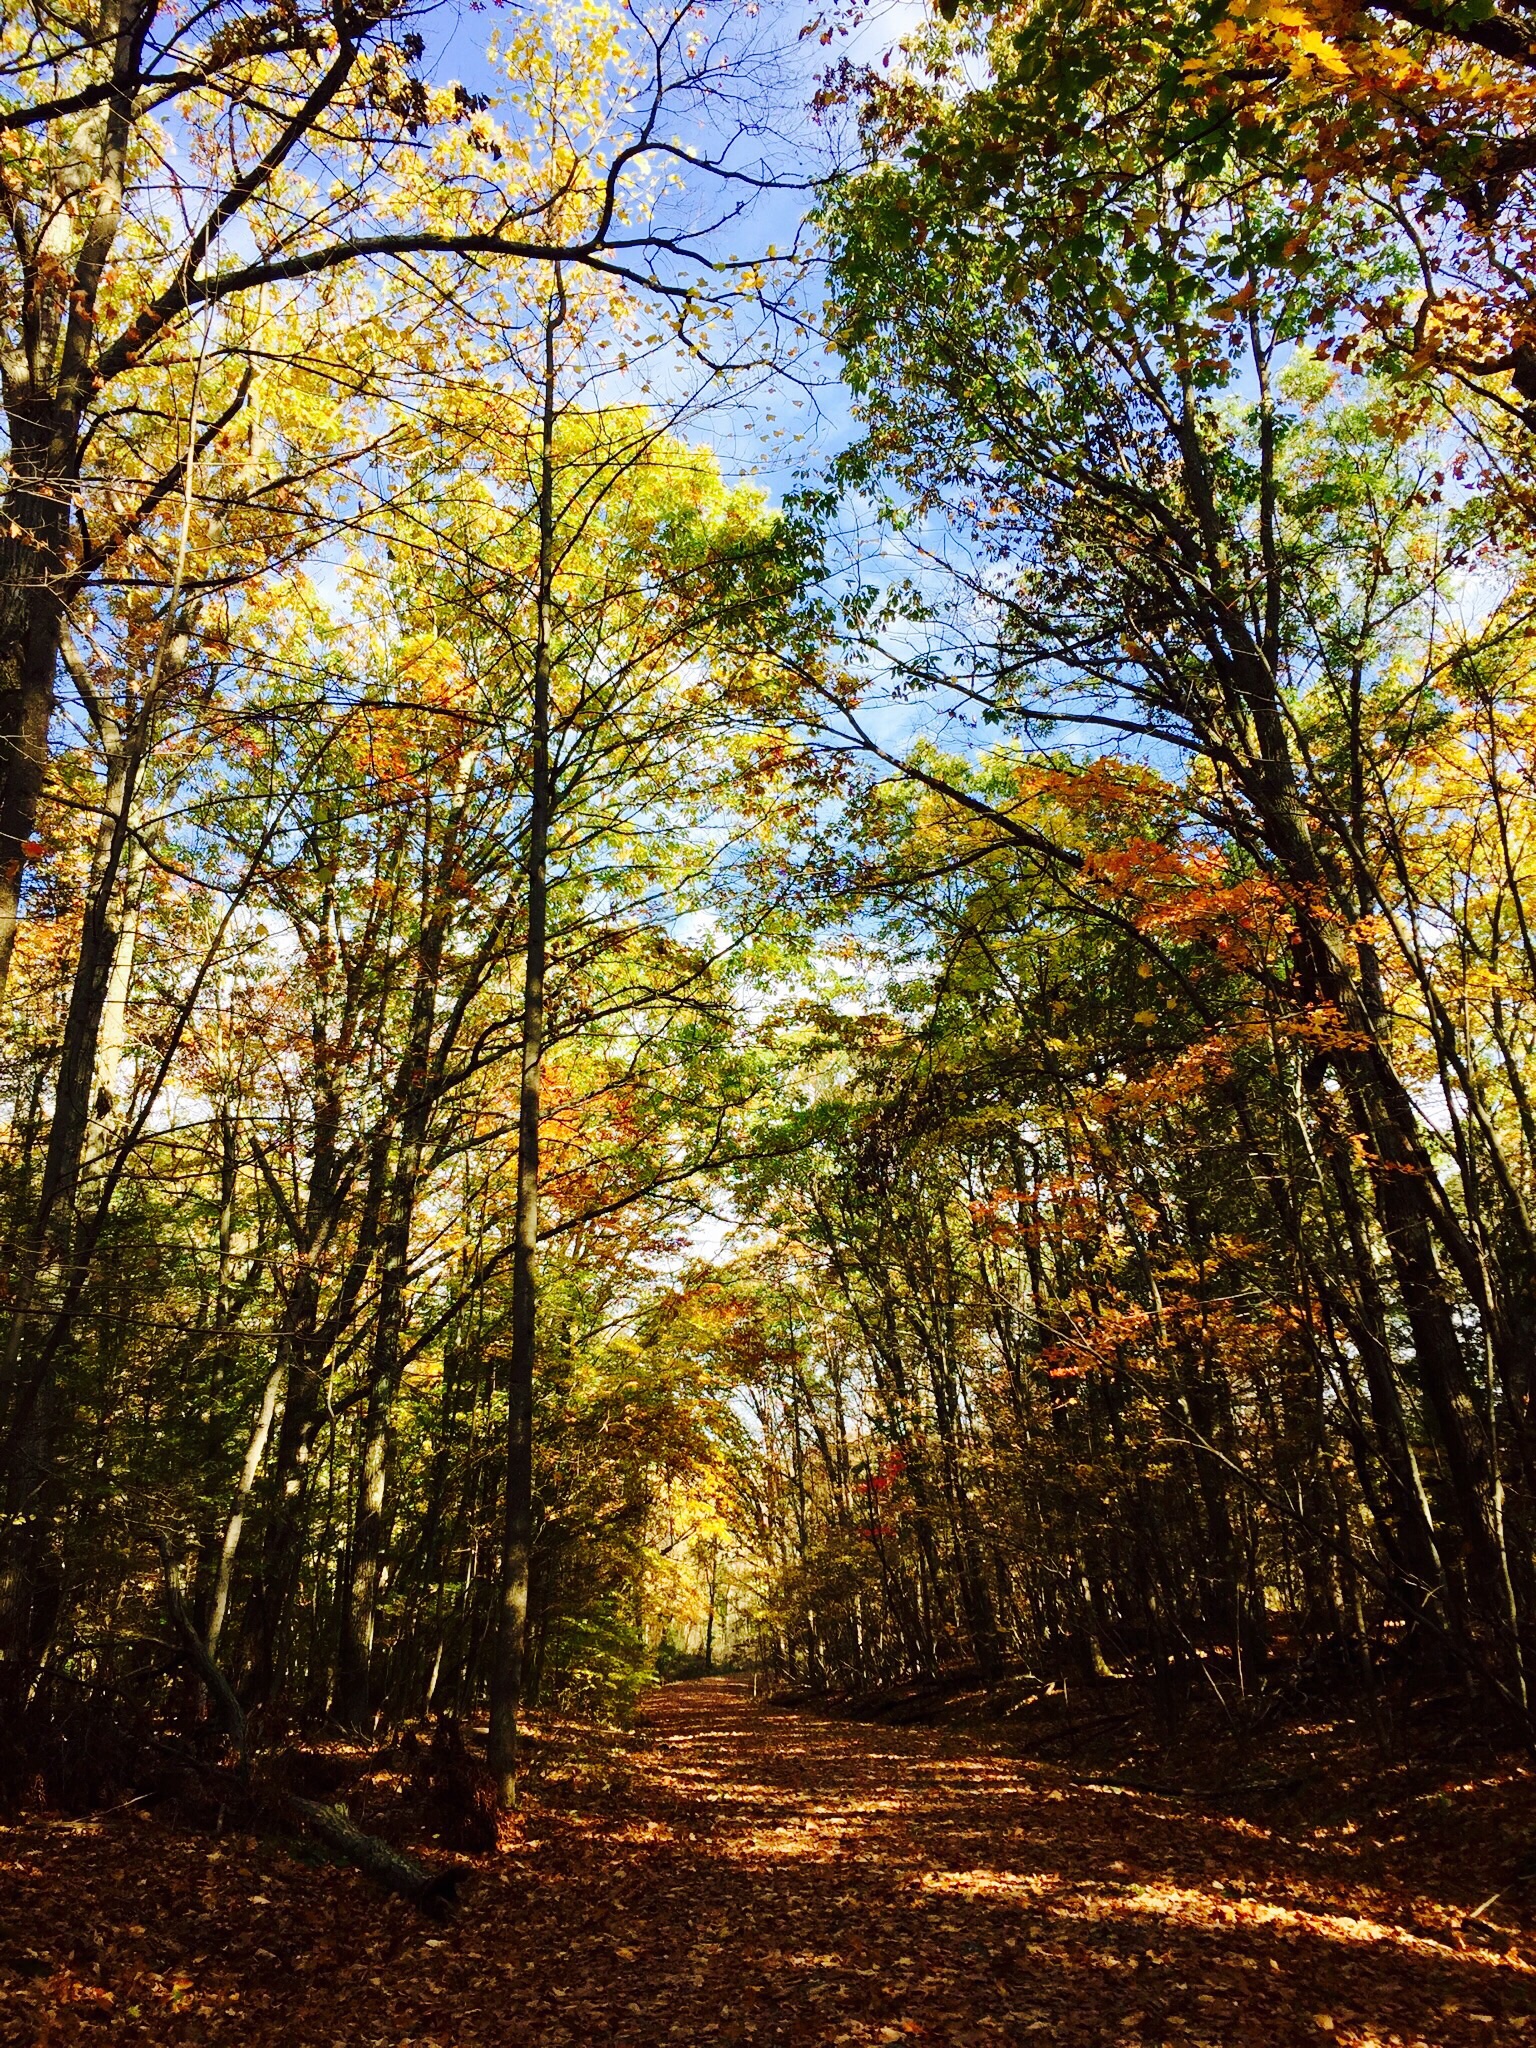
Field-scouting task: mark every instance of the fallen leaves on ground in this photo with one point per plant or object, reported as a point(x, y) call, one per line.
point(751, 1875)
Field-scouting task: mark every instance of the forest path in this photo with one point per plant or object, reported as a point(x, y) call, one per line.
point(757, 1875)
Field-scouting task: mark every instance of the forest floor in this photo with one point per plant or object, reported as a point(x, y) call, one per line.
point(739, 1872)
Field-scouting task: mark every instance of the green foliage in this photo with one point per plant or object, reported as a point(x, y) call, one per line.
point(596, 1663)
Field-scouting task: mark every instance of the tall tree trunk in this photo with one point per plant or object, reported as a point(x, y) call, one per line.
point(45, 387)
point(517, 1532)
point(33, 564)
point(311, 1335)
point(416, 1089)
point(255, 1450)
point(27, 1409)
point(277, 1575)
point(105, 1108)
point(50, 1250)
point(369, 1527)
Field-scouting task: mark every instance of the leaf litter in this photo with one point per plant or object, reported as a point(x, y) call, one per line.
point(740, 1873)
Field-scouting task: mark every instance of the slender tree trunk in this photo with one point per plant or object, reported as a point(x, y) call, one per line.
point(517, 1534)
point(255, 1450)
point(112, 1027)
point(282, 1551)
point(709, 1620)
point(416, 1090)
point(26, 1392)
point(370, 1522)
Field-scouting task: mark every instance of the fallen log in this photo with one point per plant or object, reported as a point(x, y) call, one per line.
point(230, 1712)
point(1523, 1872)
point(433, 1891)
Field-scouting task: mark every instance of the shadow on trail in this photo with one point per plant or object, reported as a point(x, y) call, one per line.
point(763, 1877)
point(830, 1881)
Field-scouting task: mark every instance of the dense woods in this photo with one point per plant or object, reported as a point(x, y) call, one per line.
point(1175, 1232)
point(917, 1065)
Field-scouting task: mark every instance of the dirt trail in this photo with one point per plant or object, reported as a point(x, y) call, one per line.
point(761, 1876)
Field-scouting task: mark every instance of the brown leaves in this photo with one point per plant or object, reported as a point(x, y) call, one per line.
point(764, 1877)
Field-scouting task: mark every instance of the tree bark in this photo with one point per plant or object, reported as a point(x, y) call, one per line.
point(434, 1891)
point(46, 382)
point(417, 1088)
point(517, 1532)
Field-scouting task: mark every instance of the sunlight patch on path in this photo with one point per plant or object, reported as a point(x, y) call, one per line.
point(1197, 1907)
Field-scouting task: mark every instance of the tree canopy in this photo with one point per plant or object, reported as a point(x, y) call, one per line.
point(912, 1065)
